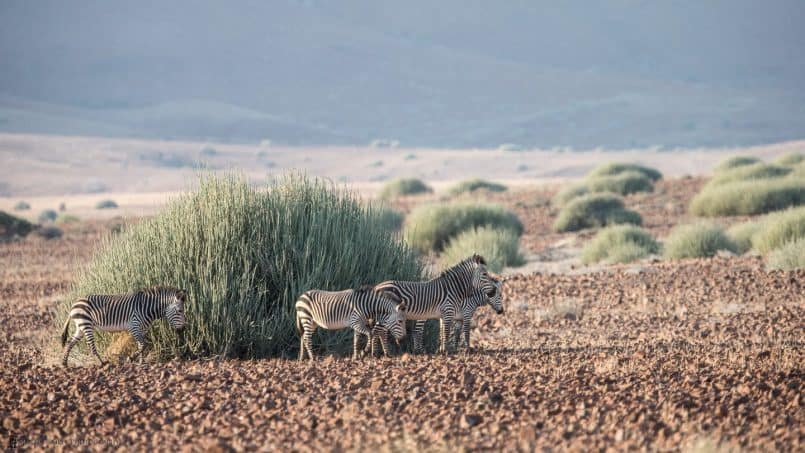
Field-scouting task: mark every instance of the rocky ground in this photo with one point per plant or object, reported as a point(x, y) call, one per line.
point(684, 355)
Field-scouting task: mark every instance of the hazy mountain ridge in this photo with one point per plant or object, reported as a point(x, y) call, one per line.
point(615, 73)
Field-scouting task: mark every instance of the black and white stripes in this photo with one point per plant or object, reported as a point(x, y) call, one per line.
point(439, 298)
point(123, 312)
point(366, 311)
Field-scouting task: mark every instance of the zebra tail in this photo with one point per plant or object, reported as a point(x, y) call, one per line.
point(65, 331)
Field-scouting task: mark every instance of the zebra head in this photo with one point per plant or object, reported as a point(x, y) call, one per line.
point(495, 299)
point(481, 280)
point(394, 321)
point(174, 311)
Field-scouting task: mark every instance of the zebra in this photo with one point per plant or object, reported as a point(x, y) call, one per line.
point(438, 298)
point(468, 307)
point(358, 309)
point(133, 312)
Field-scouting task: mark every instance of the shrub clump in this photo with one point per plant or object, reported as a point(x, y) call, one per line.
point(64, 219)
point(741, 235)
point(748, 173)
point(736, 161)
point(779, 228)
point(790, 159)
point(404, 186)
point(245, 254)
point(430, 227)
point(50, 232)
point(697, 240)
point(387, 217)
point(22, 206)
point(594, 211)
point(622, 183)
point(48, 215)
point(500, 247)
point(471, 185)
point(12, 226)
point(749, 197)
point(619, 244)
point(788, 257)
point(106, 204)
point(615, 168)
point(570, 192)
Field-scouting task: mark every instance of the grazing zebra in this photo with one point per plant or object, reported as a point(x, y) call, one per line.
point(438, 298)
point(358, 309)
point(468, 307)
point(116, 313)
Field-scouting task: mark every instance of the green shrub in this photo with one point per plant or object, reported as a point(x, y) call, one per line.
point(570, 192)
point(404, 186)
point(790, 159)
point(244, 255)
point(387, 217)
point(11, 226)
point(736, 161)
point(48, 215)
point(500, 247)
point(49, 232)
point(749, 197)
point(749, 172)
point(788, 257)
point(741, 235)
point(22, 206)
point(778, 229)
point(614, 168)
point(619, 244)
point(430, 226)
point(697, 240)
point(106, 204)
point(64, 219)
point(471, 185)
point(594, 211)
point(622, 183)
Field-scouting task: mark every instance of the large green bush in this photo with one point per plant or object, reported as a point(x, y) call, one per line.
point(387, 217)
point(471, 185)
point(594, 211)
point(622, 183)
point(735, 162)
point(430, 226)
point(404, 186)
point(244, 255)
point(619, 244)
point(749, 197)
point(106, 204)
point(48, 215)
point(696, 240)
point(741, 235)
point(615, 168)
point(22, 205)
point(500, 247)
point(788, 257)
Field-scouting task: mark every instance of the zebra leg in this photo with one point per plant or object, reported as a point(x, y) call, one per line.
point(359, 329)
point(307, 340)
point(90, 335)
point(384, 340)
point(70, 344)
point(466, 327)
point(140, 339)
point(419, 334)
point(445, 331)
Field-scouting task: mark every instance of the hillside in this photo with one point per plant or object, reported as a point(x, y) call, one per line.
point(615, 73)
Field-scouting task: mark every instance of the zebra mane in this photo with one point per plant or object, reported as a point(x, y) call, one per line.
point(364, 289)
point(474, 259)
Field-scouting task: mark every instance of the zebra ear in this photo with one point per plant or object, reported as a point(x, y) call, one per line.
point(181, 295)
point(401, 306)
point(478, 259)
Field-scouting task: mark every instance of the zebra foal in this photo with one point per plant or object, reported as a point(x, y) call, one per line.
point(132, 312)
point(438, 298)
point(358, 309)
point(467, 310)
